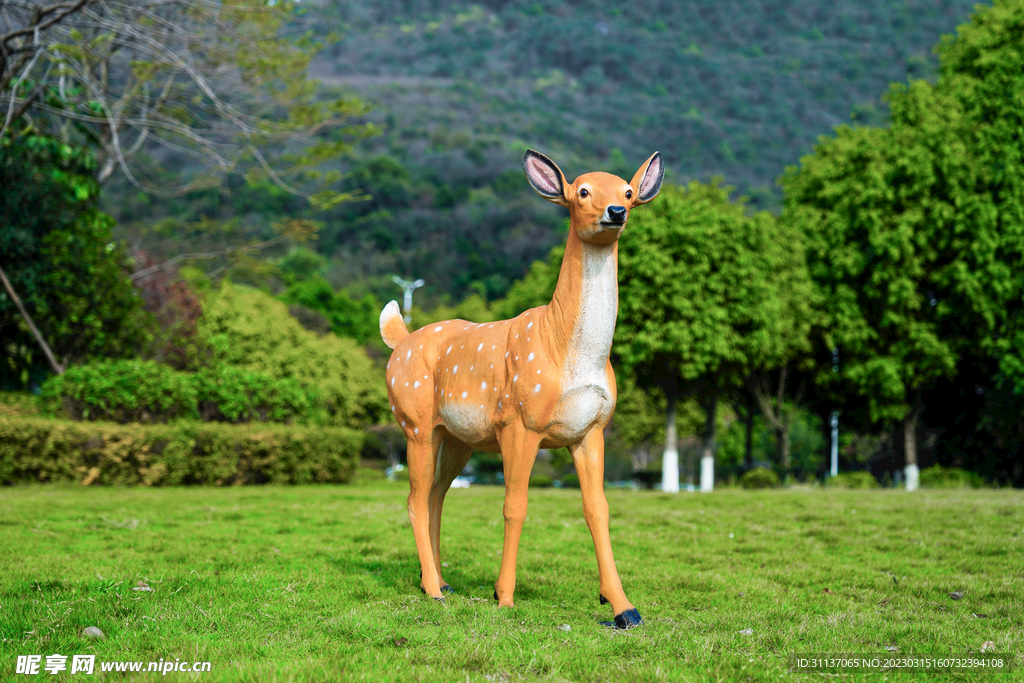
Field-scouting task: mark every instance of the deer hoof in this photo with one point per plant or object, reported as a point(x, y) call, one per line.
point(447, 589)
point(604, 600)
point(496, 595)
point(628, 619)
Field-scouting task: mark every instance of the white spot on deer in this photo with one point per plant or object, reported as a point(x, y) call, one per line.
point(416, 431)
point(406, 384)
point(517, 336)
point(403, 423)
point(471, 368)
point(465, 394)
point(416, 384)
point(493, 347)
point(437, 329)
point(408, 354)
point(483, 385)
point(514, 378)
point(536, 389)
point(455, 370)
point(479, 348)
point(529, 325)
point(392, 381)
point(529, 358)
point(448, 351)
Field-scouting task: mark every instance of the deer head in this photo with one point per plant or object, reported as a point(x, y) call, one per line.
point(598, 202)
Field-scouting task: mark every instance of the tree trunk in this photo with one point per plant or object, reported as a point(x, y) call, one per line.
point(670, 460)
point(709, 446)
point(58, 368)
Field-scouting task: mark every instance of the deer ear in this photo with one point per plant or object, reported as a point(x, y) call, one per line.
point(545, 178)
point(647, 181)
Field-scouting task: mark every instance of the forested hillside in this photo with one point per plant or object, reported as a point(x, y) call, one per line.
point(460, 90)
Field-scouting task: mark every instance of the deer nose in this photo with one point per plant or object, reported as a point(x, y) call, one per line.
point(617, 214)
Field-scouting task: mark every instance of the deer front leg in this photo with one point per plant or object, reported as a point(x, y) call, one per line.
point(518, 451)
point(452, 457)
point(588, 456)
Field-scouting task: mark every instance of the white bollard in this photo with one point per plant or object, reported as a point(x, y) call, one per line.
point(670, 472)
point(707, 473)
point(911, 472)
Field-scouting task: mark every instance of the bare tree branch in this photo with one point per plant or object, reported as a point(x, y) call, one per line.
point(58, 368)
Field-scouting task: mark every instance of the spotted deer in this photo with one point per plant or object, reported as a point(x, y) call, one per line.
point(540, 380)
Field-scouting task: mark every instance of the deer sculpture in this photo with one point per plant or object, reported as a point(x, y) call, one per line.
point(540, 380)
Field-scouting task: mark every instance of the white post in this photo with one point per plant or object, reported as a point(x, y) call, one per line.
point(408, 286)
point(670, 471)
point(707, 473)
point(834, 421)
point(911, 472)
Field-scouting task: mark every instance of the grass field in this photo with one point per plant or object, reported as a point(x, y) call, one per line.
point(321, 583)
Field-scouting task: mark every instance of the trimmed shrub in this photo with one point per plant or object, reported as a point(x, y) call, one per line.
point(251, 329)
point(759, 478)
point(147, 392)
point(541, 481)
point(853, 480)
point(939, 477)
point(122, 391)
point(39, 449)
point(230, 394)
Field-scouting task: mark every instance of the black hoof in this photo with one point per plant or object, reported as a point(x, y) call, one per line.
point(447, 589)
point(496, 594)
point(440, 600)
point(628, 619)
point(604, 600)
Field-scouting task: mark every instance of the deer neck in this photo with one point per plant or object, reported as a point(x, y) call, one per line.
point(581, 316)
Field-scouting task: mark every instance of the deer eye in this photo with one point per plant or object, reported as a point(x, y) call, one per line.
point(584, 194)
point(629, 194)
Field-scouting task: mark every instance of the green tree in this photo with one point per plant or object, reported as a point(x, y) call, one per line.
point(707, 295)
point(915, 232)
point(61, 261)
point(353, 318)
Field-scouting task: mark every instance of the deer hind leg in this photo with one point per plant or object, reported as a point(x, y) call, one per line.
point(422, 459)
point(588, 456)
point(452, 457)
point(518, 451)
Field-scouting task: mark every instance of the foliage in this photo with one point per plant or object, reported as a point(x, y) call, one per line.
point(250, 329)
point(233, 394)
point(570, 481)
point(61, 259)
point(338, 565)
point(146, 391)
point(541, 481)
point(852, 480)
point(224, 82)
point(707, 290)
point(348, 317)
point(759, 478)
point(938, 477)
point(122, 391)
point(39, 449)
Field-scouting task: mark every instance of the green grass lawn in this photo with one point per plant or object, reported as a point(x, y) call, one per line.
point(321, 582)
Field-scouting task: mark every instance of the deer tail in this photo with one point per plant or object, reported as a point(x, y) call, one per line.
point(392, 327)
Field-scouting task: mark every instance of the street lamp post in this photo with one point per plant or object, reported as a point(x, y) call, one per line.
point(408, 286)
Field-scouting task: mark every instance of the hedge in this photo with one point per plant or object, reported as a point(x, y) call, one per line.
point(35, 449)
